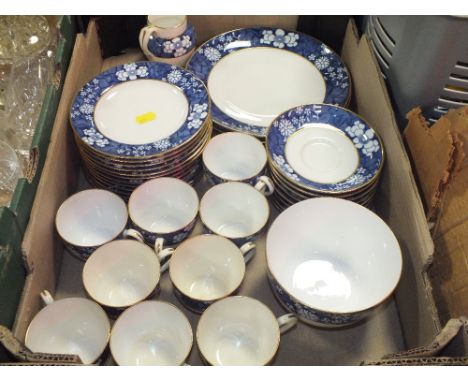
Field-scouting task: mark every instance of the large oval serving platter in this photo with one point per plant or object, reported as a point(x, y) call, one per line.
point(255, 74)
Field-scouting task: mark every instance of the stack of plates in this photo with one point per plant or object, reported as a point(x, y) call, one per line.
point(323, 150)
point(254, 74)
point(141, 121)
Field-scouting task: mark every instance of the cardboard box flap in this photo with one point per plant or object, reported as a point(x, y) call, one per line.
point(38, 243)
point(432, 151)
point(406, 216)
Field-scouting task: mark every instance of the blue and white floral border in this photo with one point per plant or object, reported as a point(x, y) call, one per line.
point(82, 111)
point(310, 315)
point(175, 47)
point(334, 72)
point(365, 140)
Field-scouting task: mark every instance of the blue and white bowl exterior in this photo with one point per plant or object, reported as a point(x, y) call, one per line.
point(170, 238)
point(335, 74)
point(310, 315)
point(174, 47)
point(81, 253)
point(197, 306)
point(364, 138)
point(238, 241)
point(213, 179)
point(82, 110)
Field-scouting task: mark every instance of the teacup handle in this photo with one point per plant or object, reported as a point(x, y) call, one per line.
point(162, 253)
point(47, 297)
point(248, 250)
point(265, 185)
point(145, 34)
point(134, 234)
point(287, 322)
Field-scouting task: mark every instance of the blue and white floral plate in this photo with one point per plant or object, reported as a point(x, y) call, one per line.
point(255, 74)
point(324, 149)
point(141, 109)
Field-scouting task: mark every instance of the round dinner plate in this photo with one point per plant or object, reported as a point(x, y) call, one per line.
point(254, 74)
point(324, 148)
point(140, 109)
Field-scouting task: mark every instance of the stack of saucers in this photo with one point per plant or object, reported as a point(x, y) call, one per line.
point(323, 150)
point(141, 121)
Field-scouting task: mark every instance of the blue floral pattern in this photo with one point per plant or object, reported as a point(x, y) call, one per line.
point(83, 107)
point(196, 306)
point(169, 238)
point(365, 140)
point(214, 179)
point(335, 74)
point(239, 242)
point(310, 315)
point(81, 253)
point(175, 47)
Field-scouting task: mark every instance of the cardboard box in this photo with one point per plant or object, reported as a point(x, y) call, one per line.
point(440, 157)
point(406, 320)
point(14, 219)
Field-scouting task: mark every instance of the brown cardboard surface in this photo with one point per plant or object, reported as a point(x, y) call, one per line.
point(433, 170)
point(441, 162)
point(208, 27)
point(397, 199)
point(398, 203)
point(450, 272)
point(40, 245)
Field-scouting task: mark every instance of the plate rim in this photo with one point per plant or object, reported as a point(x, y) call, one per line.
point(318, 188)
point(154, 151)
point(259, 135)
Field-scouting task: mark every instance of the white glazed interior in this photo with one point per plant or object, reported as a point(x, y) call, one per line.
point(163, 205)
point(91, 217)
point(121, 273)
point(151, 333)
point(70, 326)
point(255, 85)
point(234, 156)
point(322, 153)
point(166, 21)
point(207, 267)
point(238, 331)
point(117, 111)
point(234, 210)
point(333, 255)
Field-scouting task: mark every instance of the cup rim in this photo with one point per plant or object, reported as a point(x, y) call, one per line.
point(76, 298)
point(199, 237)
point(76, 195)
point(249, 186)
point(203, 316)
point(86, 266)
point(235, 133)
point(134, 192)
point(152, 302)
point(151, 23)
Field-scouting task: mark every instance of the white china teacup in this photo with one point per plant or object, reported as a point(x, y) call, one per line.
point(151, 333)
point(89, 219)
point(206, 268)
point(237, 157)
point(123, 272)
point(69, 326)
point(164, 211)
point(234, 210)
point(240, 331)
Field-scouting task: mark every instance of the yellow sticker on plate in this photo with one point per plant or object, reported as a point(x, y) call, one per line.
point(146, 117)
